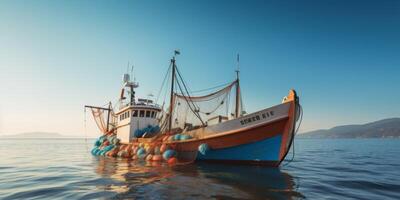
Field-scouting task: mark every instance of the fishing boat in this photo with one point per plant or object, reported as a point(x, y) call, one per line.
point(210, 127)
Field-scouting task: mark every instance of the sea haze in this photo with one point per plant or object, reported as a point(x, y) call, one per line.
point(321, 169)
point(386, 128)
point(39, 135)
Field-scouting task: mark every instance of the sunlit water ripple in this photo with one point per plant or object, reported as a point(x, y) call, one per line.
point(321, 169)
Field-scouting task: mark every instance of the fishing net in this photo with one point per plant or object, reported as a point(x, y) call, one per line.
point(98, 115)
point(195, 111)
point(99, 118)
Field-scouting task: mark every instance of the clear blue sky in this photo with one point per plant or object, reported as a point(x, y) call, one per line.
point(343, 57)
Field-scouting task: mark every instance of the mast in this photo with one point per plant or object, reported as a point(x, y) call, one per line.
point(132, 95)
point(237, 90)
point(171, 103)
point(237, 95)
point(133, 85)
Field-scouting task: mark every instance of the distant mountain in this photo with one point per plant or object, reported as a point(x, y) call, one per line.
point(34, 135)
point(386, 128)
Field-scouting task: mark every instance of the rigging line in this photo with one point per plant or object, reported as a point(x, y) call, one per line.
point(162, 85)
point(242, 108)
point(180, 76)
point(213, 95)
point(183, 81)
point(219, 105)
point(228, 102)
point(186, 89)
point(296, 129)
point(211, 88)
point(104, 105)
point(191, 103)
point(172, 114)
point(85, 128)
point(169, 79)
point(187, 101)
point(301, 118)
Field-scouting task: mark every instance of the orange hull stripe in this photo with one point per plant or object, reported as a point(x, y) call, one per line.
point(229, 140)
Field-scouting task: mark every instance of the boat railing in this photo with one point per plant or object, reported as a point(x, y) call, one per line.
point(124, 105)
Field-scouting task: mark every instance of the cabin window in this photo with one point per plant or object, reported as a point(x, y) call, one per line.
point(148, 113)
point(134, 113)
point(120, 117)
point(152, 114)
point(141, 113)
point(128, 114)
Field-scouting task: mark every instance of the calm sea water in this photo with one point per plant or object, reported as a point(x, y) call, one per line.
point(321, 169)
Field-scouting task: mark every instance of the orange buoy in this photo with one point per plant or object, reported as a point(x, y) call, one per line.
point(157, 158)
point(163, 148)
point(155, 164)
point(172, 161)
point(165, 138)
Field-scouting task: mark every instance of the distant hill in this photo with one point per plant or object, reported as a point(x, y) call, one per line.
point(34, 135)
point(386, 128)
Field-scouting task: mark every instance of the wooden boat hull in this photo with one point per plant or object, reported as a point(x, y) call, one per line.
point(253, 139)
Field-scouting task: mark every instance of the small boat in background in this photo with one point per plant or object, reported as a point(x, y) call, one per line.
point(211, 127)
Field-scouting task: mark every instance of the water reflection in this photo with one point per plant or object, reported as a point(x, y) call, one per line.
point(133, 179)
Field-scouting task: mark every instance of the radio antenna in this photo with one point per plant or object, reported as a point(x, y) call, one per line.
point(127, 68)
point(132, 74)
point(238, 62)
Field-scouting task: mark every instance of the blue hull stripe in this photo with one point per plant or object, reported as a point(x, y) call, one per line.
point(264, 150)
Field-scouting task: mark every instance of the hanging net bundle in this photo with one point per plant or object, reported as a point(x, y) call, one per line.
point(191, 112)
point(98, 115)
point(99, 118)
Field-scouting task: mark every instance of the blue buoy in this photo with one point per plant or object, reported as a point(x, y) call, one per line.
point(94, 151)
point(97, 152)
point(203, 149)
point(141, 151)
point(108, 148)
point(168, 154)
point(102, 138)
point(177, 137)
point(185, 137)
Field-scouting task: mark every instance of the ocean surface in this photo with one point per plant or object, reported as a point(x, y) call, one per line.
point(321, 169)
